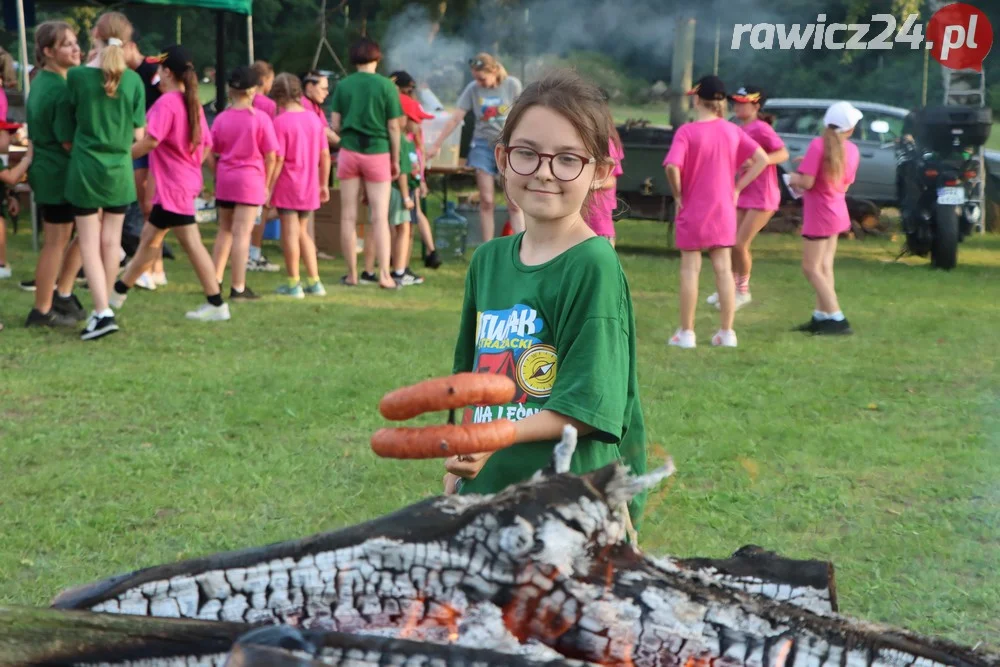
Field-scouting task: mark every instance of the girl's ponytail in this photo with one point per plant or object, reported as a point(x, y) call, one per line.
point(833, 154)
point(193, 104)
point(113, 30)
point(766, 117)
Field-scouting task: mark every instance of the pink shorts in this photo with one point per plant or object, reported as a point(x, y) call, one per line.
point(375, 168)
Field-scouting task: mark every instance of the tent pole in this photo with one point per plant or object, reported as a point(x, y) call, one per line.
point(220, 61)
point(250, 37)
point(22, 36)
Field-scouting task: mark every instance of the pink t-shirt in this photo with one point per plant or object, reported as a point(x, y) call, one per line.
point(265, 104)
point(824, 206)
point(708, 153)
point(175, 169)
point(241, 138)
point(315, 108)
point(763, 193)
point(3, 104)
point(301, 141)
point(598, 215)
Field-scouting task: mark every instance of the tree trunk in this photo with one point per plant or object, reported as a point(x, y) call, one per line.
point(681, 71)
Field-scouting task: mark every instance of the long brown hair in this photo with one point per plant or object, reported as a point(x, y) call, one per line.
point(113, 25)
point(193, 105)
point(286, 88)
point(833, 154)
point(49, 35)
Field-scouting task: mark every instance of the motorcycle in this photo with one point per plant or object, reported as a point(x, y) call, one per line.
point(937, 171)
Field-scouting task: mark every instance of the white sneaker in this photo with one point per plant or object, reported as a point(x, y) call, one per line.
point(145, 281)
point(116, 300)
point(159, 278)
point(742, 300)
point(684, 339)
point(5, 272)
point(724, 338)
point(208, 313)
point(713, 300)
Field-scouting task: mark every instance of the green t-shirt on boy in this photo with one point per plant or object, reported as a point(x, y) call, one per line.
point(101, 129)
point(407, 155)
point(47, 173)
point(366, 102)
point(564, 331)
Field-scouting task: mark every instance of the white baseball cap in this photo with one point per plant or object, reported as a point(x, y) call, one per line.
point(842, 115)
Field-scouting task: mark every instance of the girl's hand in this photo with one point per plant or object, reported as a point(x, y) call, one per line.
point(736, 197)
point(395, 169)
point(678, 203)
point(13, 206)
point(324, 193)
point(408, 204)
point(450, 484)
point(424, 190)
point(466, 466)
point(432, 153)
point(796, 160)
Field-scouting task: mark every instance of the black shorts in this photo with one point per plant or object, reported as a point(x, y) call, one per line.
point(120, 210)
point(289, 211)
point(57, 214)
point(222, 203)
point(807, 237)
point(168, 219)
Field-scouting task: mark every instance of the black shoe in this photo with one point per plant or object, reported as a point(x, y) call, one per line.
point(432, 261)
point(833, 328)
point(246, 295)
point(810, 326)
point(98, 327)
point(417, 280)
point(69, 306)
point(49, 319)
point(365, 278)
point(27, 285)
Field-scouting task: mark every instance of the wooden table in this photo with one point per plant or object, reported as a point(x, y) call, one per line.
point(446, 173)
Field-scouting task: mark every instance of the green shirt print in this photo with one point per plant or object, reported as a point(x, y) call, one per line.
point(564, 331)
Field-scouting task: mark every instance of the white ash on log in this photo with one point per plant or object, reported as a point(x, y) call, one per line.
point(550, 555)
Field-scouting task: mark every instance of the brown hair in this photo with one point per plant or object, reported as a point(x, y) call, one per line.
point(192, 104)
point(364, 51)
point(833, 154)
point(287, 88)
point(263, 68)
point(7, 71)
point(113, 25)
point(718, 107)
point(484, 62)
point(578, 100)
point(49, 35)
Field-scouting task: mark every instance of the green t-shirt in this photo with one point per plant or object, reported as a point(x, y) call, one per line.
point(564, 331)
point(407, 155)
point(47, 173)
point(366, 102)
point(101, 129)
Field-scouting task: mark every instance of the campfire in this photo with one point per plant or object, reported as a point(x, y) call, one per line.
point(541, 573)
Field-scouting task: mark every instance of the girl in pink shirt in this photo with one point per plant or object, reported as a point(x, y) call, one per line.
point(301, 185)
point(701, 168)
point(177, 141)
point(598, 214)
point(246, 151)
point(760, 200)
point(826, 171)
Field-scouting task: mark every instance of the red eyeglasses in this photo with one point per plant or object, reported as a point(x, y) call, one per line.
point(564, 166)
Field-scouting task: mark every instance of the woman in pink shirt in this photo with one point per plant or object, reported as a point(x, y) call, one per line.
point(246, 151)
point(701, 168)
point(760, 200)
point(826, 171)
point(177, 141)
point(301, 185)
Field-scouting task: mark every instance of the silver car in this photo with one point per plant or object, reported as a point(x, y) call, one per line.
point(798, 121)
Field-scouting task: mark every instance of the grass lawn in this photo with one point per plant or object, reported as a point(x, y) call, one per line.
point(173, 439)
point(994, 141)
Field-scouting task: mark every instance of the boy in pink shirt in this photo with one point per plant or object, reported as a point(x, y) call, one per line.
point(826, 171)
point(246, 152)
point(701, 168)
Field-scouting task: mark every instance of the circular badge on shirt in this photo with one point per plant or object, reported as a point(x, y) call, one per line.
point(536, 370)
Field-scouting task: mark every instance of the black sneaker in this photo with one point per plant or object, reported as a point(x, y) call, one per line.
point(69, 306)
point(99, 326)
point(432, 260)
point(417, 280)
point(366, 278)
point(27, 285)
point(246, 295)
point(833, 328)
point(810, 326)
point(49, 319)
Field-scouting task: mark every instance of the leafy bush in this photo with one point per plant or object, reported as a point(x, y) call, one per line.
point(600, 69)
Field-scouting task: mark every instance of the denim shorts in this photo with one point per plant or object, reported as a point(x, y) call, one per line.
point(141, 163)
point(481, 157)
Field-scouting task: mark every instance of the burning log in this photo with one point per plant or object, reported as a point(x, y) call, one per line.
point(542, 561)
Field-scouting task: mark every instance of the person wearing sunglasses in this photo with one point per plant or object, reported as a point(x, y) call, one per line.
point(489, 97)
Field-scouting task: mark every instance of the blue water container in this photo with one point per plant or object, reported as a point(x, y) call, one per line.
point(272, 230)
point(451, 231)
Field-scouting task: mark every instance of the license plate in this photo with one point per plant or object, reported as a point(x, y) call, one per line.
point(951, 196)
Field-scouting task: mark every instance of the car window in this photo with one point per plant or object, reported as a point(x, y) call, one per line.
point(798, 120)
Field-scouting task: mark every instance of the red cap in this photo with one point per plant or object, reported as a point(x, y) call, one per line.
point(412, 109)
point(11, 127)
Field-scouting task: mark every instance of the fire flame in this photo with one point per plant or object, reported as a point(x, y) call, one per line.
point(444, 615)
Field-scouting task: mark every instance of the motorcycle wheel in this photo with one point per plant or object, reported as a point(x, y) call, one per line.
point(944, 247)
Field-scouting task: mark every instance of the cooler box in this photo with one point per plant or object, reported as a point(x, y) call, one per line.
point(448, 157)
point(272, 230)
point(327, 225)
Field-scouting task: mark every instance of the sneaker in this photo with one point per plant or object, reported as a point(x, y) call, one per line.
point(116, 300)
point(69, 306)
point(159, 278)
point(810, 326)
point(246, 295)
point(366, 278)
point(206, 312)
point(742, 299)
point(5, 271)
point(401, 279)
point(433, 260)
point(262, 264)
point(833, 328)
point(49, 319)
point(724, 338)
point(684, 339)
point(713, 300)
point(293, 292)
point(27, 285)
point(417, 280)
point(315, 290)
point(99, 326)
point(146, 281)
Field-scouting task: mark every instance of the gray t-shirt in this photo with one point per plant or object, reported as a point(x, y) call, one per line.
point(491, 106)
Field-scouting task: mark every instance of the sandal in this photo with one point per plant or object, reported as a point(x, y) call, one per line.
point(343, 282)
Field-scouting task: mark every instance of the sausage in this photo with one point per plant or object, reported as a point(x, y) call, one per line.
point(430, 442)
point(447, 393)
